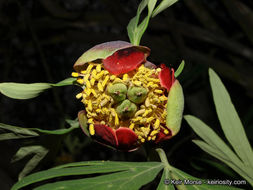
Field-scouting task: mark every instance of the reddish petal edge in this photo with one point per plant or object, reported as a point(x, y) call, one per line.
point(127, 139)
point(166, 77)
point(105, 135)
point(124, 61)
point(162, 137)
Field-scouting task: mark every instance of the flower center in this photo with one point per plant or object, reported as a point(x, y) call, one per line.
point(135, 100)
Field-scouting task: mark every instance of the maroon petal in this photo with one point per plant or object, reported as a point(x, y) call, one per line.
point(166, 77)
point(124, 61)
point(162, 136)
point(127, 139)
point(105, 135)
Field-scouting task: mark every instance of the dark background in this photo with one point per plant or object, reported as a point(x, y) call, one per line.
point(40, 41)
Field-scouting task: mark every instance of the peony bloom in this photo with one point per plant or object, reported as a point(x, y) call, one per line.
point(127, 99)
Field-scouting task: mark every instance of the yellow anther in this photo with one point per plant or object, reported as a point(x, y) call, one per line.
point(94, 73)
point(147, 102)
point(149, 138)
point(86, 77)
point(163, 98)
point(103, 102)
point(98, 68)
point(153, 138)
point(142, 140)
point(91, 115)
point(154, 132)
point(92, 81)
point(117, 80)
point(131, 126)
point(137, 119)
point(79, 95)
point(157, 124)
point(137, 83)
point(98, 110)
point(116, 120)
point(105, 111)
point(150, 84)
point(80, 81)
point(94, 92)
point(87, 91)
point(105, 81)
point(150, 119)
point(139, 112)
point(139, 137)
point(147, 112)
point(154, 86)
point(106, 72)
point(100, 87)
point(112, 77)
point(158, 69)
point(89, 68)
point(83, 72)
point(158, 91)
point(102, 122)
point(125, 77)
point(166, 132)
point(92, 129)
point(90, 120)
point(89, 105)
point(153, 80)
point(74, 74)
point(145, 131)
point(88, 85)
point(99, 75)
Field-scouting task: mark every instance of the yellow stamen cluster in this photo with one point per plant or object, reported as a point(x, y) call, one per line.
point(147, 121)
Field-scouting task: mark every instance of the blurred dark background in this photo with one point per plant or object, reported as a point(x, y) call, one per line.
point(40, 41)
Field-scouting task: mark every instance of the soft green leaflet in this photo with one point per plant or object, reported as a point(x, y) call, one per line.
point(179, 69)
point(27, 91)
point(241, 160)
point(135, 28)
point(112, 175)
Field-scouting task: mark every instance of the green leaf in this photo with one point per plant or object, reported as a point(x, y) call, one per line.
point(212, 139)
point(179, 69)
point(15, 132)
point(201, 184)
point(126, 175)
point(26, 91)
point(230, 121)
point(166, 176)
point(240, 169)
point(38, 152)
point(162, 6)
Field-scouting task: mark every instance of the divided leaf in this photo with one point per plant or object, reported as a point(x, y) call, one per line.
point(26, 91)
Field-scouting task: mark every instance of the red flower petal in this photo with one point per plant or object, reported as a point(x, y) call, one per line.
point(124, 61)
point(127, 139)
point(105, 135)
point(161, 136)
point(166, 77)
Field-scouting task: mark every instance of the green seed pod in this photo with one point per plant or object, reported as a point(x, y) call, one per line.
point(126, 109)
point(117, 91)
point(137, 94)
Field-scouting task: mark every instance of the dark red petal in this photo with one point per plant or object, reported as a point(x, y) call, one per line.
point(161, 136)
point(105, 135)
point(166, 77)
point(124, 61)
point(127, 139)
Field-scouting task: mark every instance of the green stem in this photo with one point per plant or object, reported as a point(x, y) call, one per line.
point(163, 158)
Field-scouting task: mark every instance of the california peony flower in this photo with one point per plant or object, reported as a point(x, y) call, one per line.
point(127, 99)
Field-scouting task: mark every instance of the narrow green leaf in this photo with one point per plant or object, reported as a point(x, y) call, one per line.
point(15, 132)
point(23, 91)
point(230, 121)
point(38, 152)
point(129, 175)
point(201, 184)
point(179, 69)
point(209, 136)
point(165, 178)
point(26, 91)
point(162, 6)
point(240, 169)
point(65, 82)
